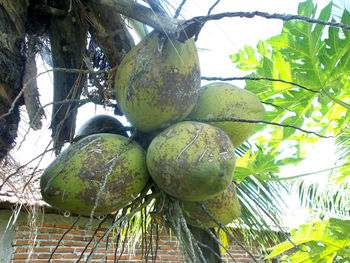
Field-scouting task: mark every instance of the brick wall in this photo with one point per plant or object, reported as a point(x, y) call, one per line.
point(34, 243)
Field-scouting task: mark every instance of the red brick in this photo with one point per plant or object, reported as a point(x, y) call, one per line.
point(48, 243)
point(121, 257)
point(46, 225)
point(80, 250)
point(103, 250)
point(166, 248)
point(18, 235)
point(55, 230)
point(20, 250)
point(23, 228)
point(95, 256)
point(24, 242)
point(42, 236)
point(99, 234)
point(169, 258)
point(20, 256)
point(74, 244)
point(58, 237)
point(167, 252)
point(42, 256)
point(77, 232)
point(64, 250)
point(70, 256)
point(65, 226)
point(80, 238)
point(42, 249)
point(43, 230)
point(245, 260)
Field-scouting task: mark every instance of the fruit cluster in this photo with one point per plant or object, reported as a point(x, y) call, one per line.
point(191, 155)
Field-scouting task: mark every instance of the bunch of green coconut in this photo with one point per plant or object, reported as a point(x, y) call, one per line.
point(190, 156)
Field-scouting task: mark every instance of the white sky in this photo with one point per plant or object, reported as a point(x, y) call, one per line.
point(216, 42)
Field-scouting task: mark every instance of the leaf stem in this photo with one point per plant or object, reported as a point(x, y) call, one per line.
point(301, 175)
point(340, 102)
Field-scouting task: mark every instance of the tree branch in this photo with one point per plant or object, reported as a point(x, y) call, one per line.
point(262, 78)
point(64, 234)
point(213, 6)
point(262, 122)
point(284, 17)
point(143, 14)
point(185, 29)
point(178, 10)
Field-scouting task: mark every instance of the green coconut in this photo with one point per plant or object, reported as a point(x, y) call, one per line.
point(100, 124)
point(191, 161)
point(158, 82)
point(223, 207)
point(223, 100)
point(101, 161)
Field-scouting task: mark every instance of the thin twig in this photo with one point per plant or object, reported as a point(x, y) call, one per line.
point(257, 78)
point(211, 250)
point(123, 218)
point(23, 166)
point(276, 106)
point(156, 6)
point(64, 234)
point(124, 242)
point(154, 255)
point(178, 10)
point(261, 122)
point(217, 241)
point(92, 237)
point(35, 169)
point(283, 17)
point(26, 85)
point(212, 7)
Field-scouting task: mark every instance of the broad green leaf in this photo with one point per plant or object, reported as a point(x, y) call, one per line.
point(313, 56)
point(320, 242)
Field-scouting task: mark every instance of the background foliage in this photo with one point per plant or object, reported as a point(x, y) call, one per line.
point(315, 61)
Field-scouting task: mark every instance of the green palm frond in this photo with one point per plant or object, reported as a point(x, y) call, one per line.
point(331, 200)
point(343, 144)
point(261, 211)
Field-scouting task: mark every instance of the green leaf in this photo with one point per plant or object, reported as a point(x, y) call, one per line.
point(314, 56)
point(324, 240)
point(296, 121)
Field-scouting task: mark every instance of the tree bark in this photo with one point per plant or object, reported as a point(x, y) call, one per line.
point(109, 32)
point(141, 13)
point(31, 94)
point(68, 41)
point(13, 15)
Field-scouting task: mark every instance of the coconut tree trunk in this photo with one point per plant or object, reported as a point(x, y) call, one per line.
point(13, 16)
